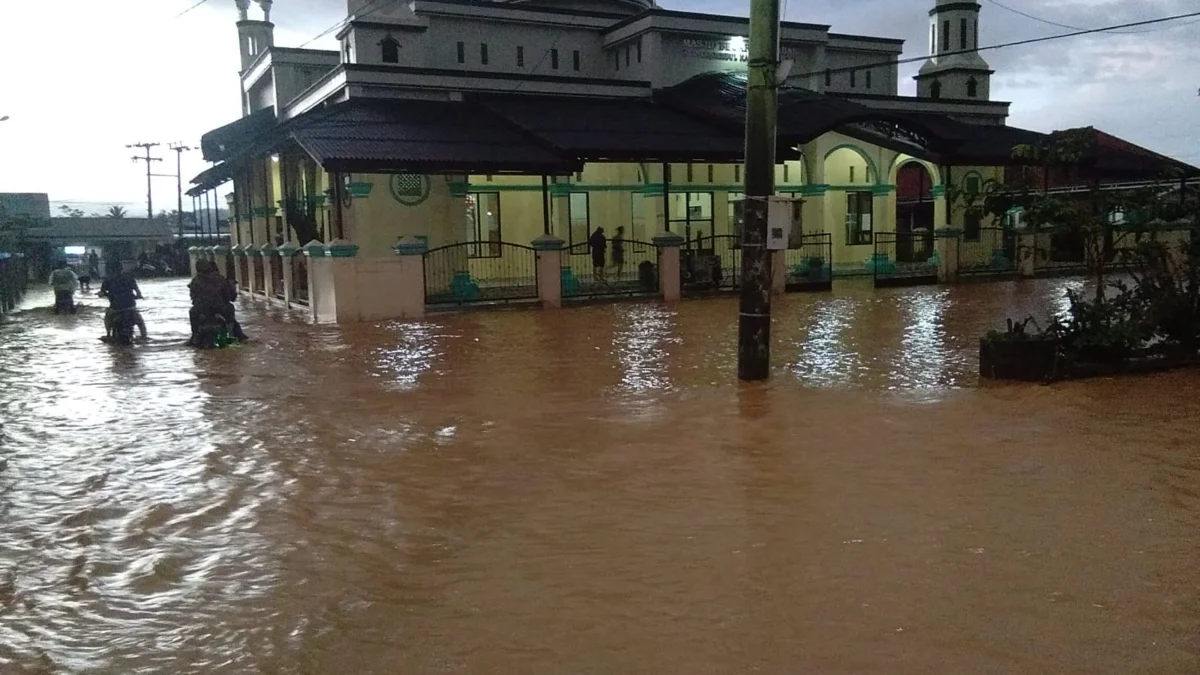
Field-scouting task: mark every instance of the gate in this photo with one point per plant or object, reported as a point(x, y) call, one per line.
point(478, 272)
point(710, 264)
point(810, 263)
point(903, 259)
point(994, 253)
point(632, 272)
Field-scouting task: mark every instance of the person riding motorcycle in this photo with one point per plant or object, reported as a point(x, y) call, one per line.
point(212, 296)
point(122, 292)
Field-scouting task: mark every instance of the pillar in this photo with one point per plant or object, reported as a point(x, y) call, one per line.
point(669, 280)
point(239, 264)
point(411, 289)
point(560, 214)
point(549, 269)
point(268, 253)
point(778, 272)
point(286, 254)
point(945, 245)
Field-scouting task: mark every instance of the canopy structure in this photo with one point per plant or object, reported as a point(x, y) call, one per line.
point(416, 136)
point(627, 130)
point(700, 120)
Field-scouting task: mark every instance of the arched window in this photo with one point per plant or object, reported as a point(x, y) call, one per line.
point(935, 89)
point(972, 88)
point(390, 50)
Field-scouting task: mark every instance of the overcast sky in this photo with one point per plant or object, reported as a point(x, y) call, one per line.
point(82, 78)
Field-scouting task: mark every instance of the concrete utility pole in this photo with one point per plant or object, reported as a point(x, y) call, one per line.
point(147, 159)
point(179, 149)
point(754, 318)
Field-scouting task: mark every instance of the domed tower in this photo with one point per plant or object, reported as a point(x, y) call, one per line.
point(254, 36)
point(955, 70)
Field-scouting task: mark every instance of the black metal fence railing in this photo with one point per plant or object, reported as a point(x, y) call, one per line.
point(300, 278)
point(992, 252)
point(13, 280)
point(810, 263)
point(712, 263)
point(480, 272)
point(903, 259)
point(276, 263)
point(630, 268)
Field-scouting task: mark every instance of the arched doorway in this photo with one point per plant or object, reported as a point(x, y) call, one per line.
point(915, 208)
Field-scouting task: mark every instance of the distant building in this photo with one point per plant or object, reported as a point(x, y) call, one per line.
point(35, 205)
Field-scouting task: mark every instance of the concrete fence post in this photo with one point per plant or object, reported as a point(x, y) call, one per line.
point(549, 269)
point(268, 253)
point(778, 272)
point(285, 254)
point(253, 259)
point(314, 251)
point(239, 265)
point(669, 277)
point(946, 242)
point(193, 258)
point(412, 277)
point(1027, 254)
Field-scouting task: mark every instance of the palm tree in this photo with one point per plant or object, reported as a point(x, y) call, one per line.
point(115, 212)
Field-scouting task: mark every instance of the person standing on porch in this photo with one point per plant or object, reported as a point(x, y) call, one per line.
point(618, 251)
point(599, 245)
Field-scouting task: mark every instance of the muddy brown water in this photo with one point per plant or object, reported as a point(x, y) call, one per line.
point(587, 491)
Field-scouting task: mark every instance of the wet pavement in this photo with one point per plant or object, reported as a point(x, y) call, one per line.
point(588, 491)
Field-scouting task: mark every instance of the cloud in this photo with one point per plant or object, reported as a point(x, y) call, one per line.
point(120, 72)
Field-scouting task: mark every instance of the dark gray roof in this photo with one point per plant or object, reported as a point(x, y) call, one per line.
point(617, 129)
point(421, 136)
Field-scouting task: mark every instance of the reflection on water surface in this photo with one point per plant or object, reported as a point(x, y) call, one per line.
point(587, 491)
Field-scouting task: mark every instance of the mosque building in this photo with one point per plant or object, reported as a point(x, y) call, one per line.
point(476, 127)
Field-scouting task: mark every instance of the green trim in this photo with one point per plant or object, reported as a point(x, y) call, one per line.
point(459, 189)
point(359, 189)
point(314, 249)
point(883, 189)
point(287, 250)
point(341, 251)
point(649, 189)
point(871, 167)
point(938, 191)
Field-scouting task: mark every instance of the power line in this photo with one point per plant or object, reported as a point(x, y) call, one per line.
point(1039, 19)
point(1018, 43)
point(201, 2)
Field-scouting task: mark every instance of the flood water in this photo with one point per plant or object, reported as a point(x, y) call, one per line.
point(588, 491)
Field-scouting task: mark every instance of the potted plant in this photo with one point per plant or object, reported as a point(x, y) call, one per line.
point(1018, 354)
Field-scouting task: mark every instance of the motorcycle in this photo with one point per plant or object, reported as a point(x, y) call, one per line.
point(124, 322)
point(210, 330)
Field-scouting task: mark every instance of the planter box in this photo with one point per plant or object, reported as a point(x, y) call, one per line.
point(1021, 360)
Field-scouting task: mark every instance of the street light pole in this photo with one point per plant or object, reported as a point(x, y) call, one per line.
point(754, 317)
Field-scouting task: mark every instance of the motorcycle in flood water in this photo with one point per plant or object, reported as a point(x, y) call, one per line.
point(124, 322)
point(210, 331)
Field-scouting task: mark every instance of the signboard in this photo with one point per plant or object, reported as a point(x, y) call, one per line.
point(731, 49)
